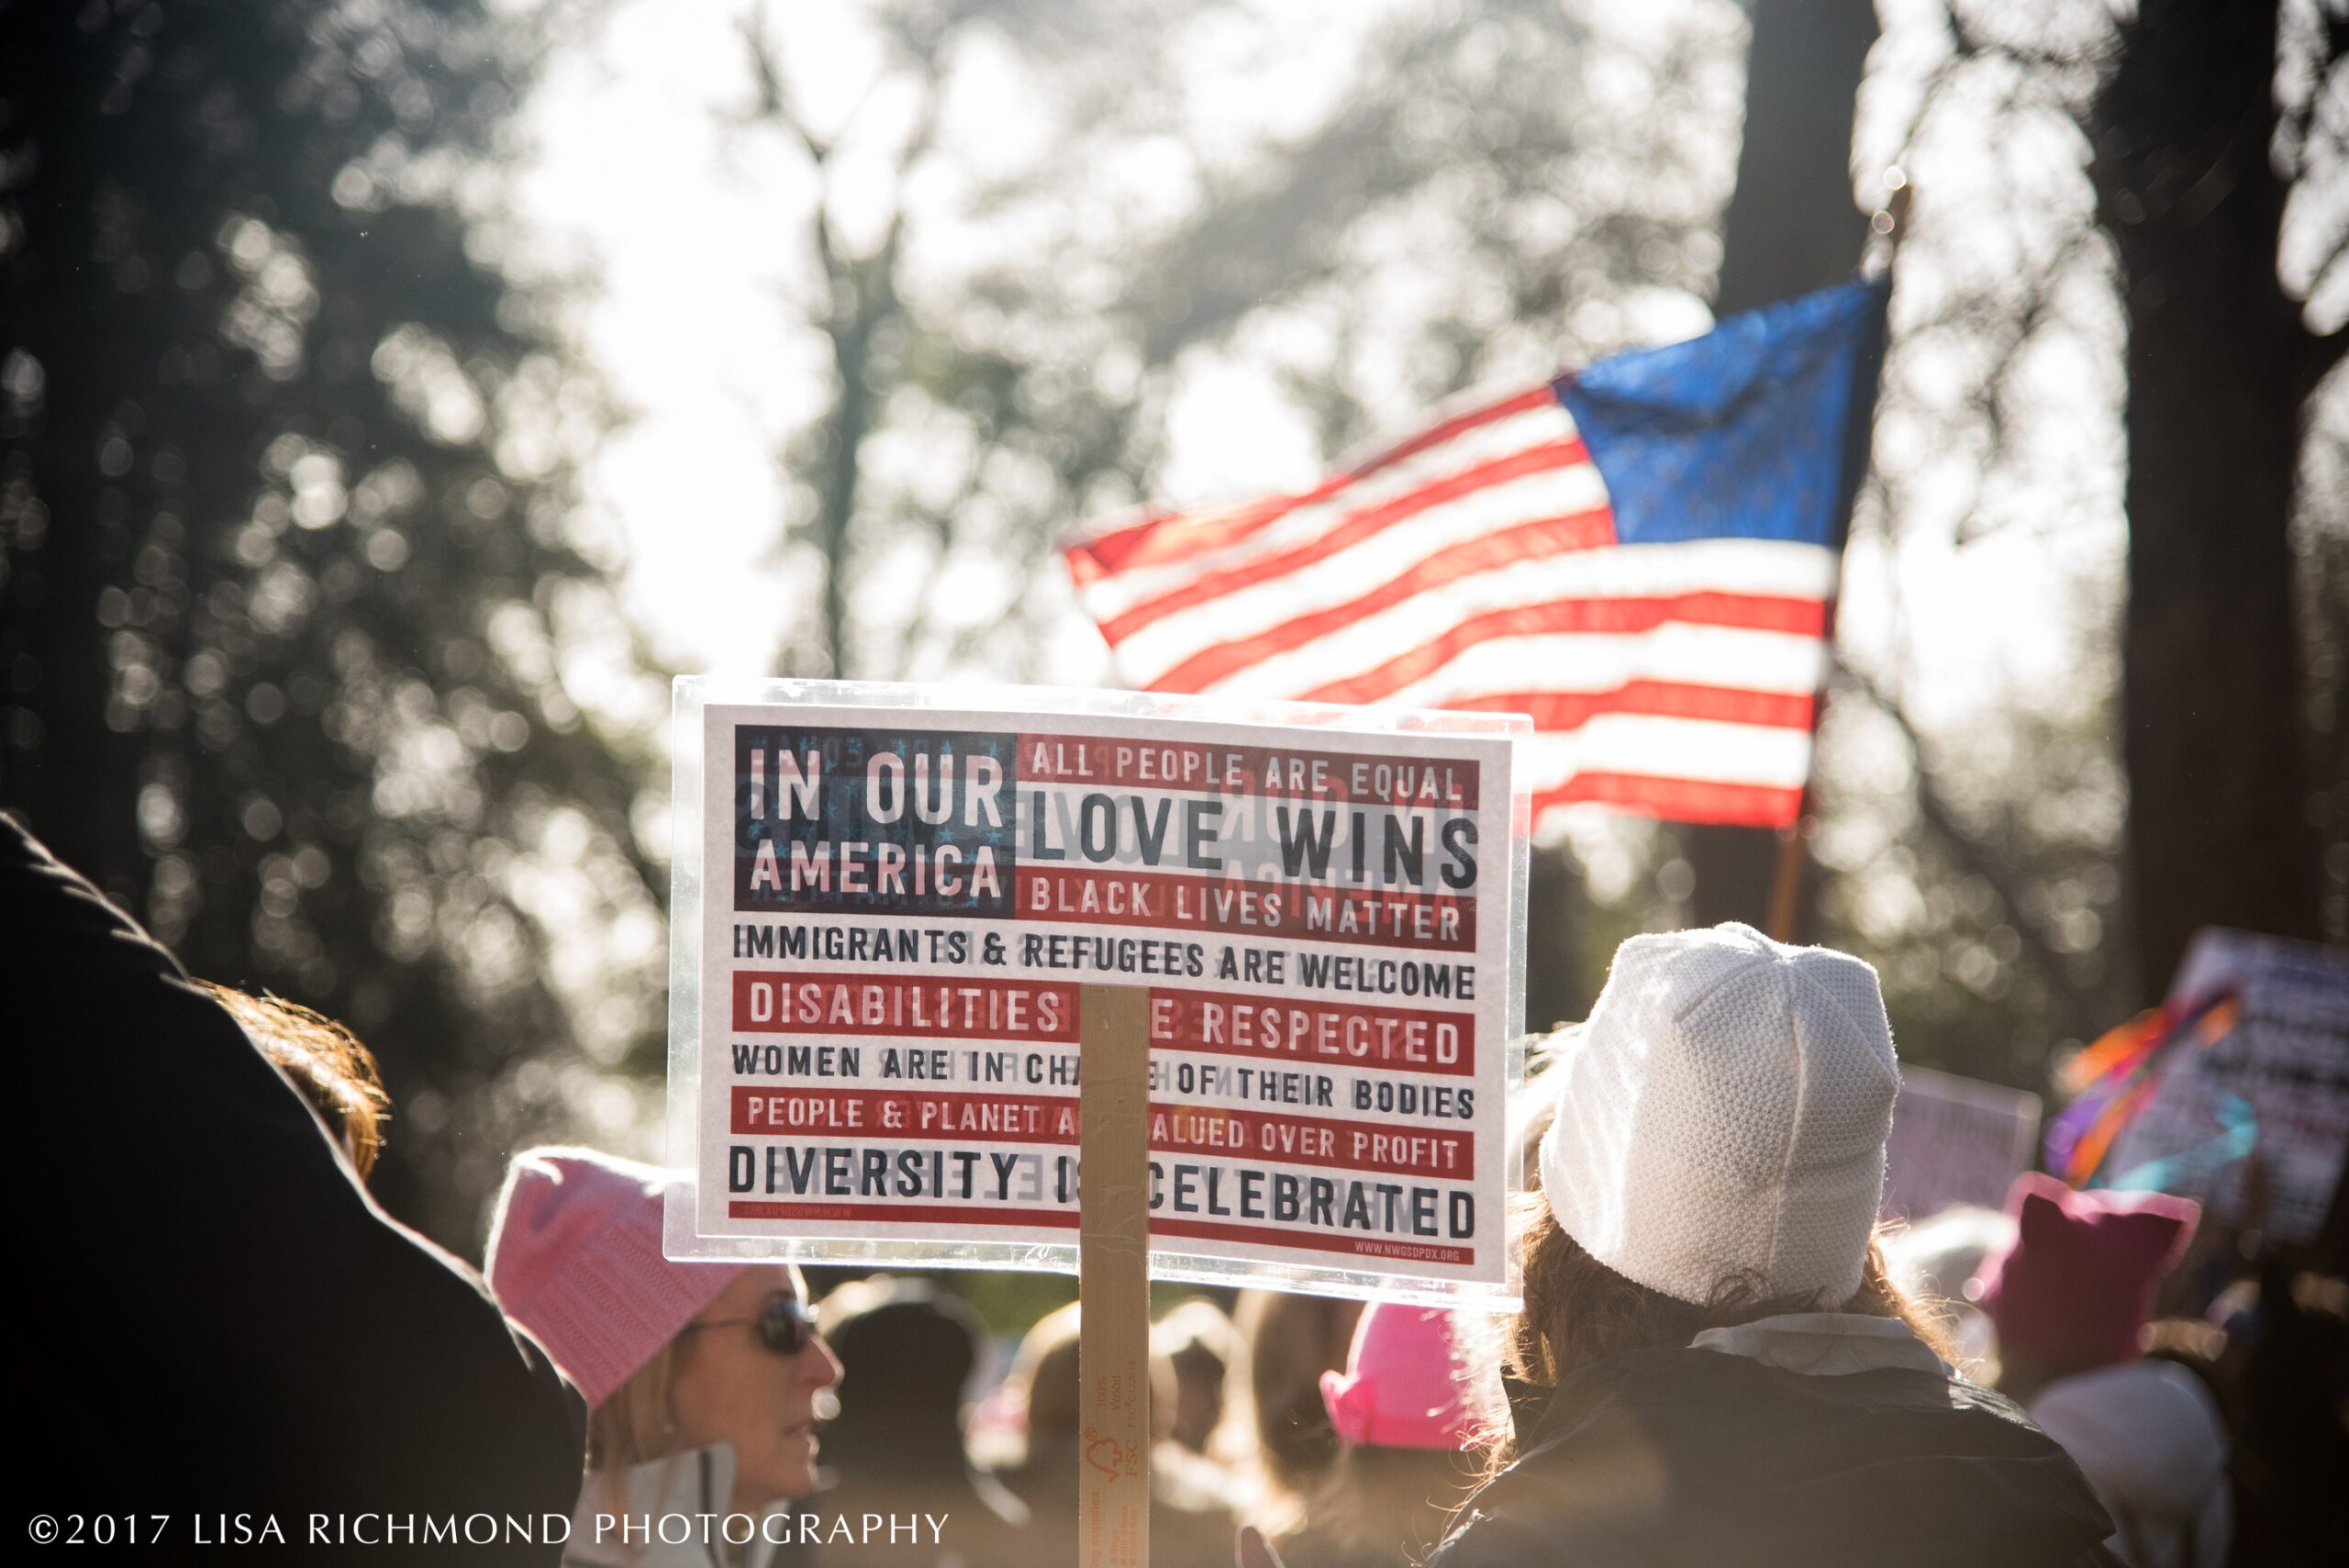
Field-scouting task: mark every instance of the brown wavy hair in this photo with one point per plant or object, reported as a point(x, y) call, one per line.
point(1578, 1311)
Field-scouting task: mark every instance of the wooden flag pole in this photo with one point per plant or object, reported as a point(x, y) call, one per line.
point(1889, 225)
point(1785, 884)
point(1113, 1275)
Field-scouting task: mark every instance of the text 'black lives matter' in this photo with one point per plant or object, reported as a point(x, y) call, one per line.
point(874, 821)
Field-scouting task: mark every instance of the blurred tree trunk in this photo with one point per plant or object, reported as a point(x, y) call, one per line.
point(278, 577)
point(76, 783)
point(1791, 227)
point(2220, 368)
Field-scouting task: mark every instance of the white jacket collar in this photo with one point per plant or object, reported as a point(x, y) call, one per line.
point(1825, 1344)
point(695, 1484)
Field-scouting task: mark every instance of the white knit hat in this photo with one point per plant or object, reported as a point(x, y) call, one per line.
point(1723, 1112)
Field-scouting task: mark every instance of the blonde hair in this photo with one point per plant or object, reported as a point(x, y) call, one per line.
point(637, 1422)
point(336, 1073)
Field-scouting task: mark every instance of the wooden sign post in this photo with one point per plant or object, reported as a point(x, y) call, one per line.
point(1113, 1276)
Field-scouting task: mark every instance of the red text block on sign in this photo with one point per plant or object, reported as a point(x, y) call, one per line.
point(1410, 1039)
point(1340, 777)
point(905, 1006)
point(897, 1113)
point(1440, 920)
point(1330, 1142)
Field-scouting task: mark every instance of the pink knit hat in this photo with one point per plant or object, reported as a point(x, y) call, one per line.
point(2075, 1287)
point(1401, 1387)
point(575, 1257)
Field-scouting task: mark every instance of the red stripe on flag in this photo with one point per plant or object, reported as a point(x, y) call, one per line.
point(1547, 458)
point(1679, 800)
point(1163, 537)
point(1162, 541)
point(1752, 612)
point(1460, 424)
point(1552, 712)
point(1487, 552)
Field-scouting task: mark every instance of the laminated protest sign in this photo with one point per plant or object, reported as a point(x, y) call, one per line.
point(889, 901)
point(2276, 1084)
point(1956, 1141)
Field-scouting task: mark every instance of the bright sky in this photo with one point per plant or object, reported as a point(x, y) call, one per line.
point(691, 231)
point(679, 225)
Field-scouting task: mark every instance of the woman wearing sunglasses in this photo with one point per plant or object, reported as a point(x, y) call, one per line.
point(704, 1381)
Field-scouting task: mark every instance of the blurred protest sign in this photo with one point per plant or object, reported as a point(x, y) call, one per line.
point(887, 899)
point(1956, 1141)
point(2249, 1054)
point(2275, 1079)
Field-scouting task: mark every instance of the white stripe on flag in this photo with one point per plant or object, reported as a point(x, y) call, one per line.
point(1670, 748)
point(1728, 657)
point(1358, 569)
point(1111, 596)
point(1761, 567)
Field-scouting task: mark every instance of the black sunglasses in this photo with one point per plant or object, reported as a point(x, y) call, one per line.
point(784, 1325)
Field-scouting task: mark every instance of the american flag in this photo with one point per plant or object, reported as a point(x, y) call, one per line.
point(1642, 556)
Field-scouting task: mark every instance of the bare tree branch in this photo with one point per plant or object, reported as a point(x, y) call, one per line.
point(1975, 853)
point(772, 100)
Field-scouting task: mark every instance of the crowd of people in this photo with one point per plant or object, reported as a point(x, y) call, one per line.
point(1720, 1357)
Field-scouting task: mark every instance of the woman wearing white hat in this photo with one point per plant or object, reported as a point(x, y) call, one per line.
point(1730, 1376)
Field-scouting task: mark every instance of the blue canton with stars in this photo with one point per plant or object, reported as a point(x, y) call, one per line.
point(1749, 431)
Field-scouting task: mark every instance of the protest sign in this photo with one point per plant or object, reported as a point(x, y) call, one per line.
point(888, 898)
point(1954, 1140)
point(2275, 1086)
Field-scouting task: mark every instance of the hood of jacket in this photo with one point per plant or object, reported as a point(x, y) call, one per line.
point(2147, 1435)
point(618, 1523)
point(1692, 1456)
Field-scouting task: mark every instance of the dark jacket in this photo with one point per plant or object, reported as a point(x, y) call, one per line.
point(209, 1316)
point(1712, 1460)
